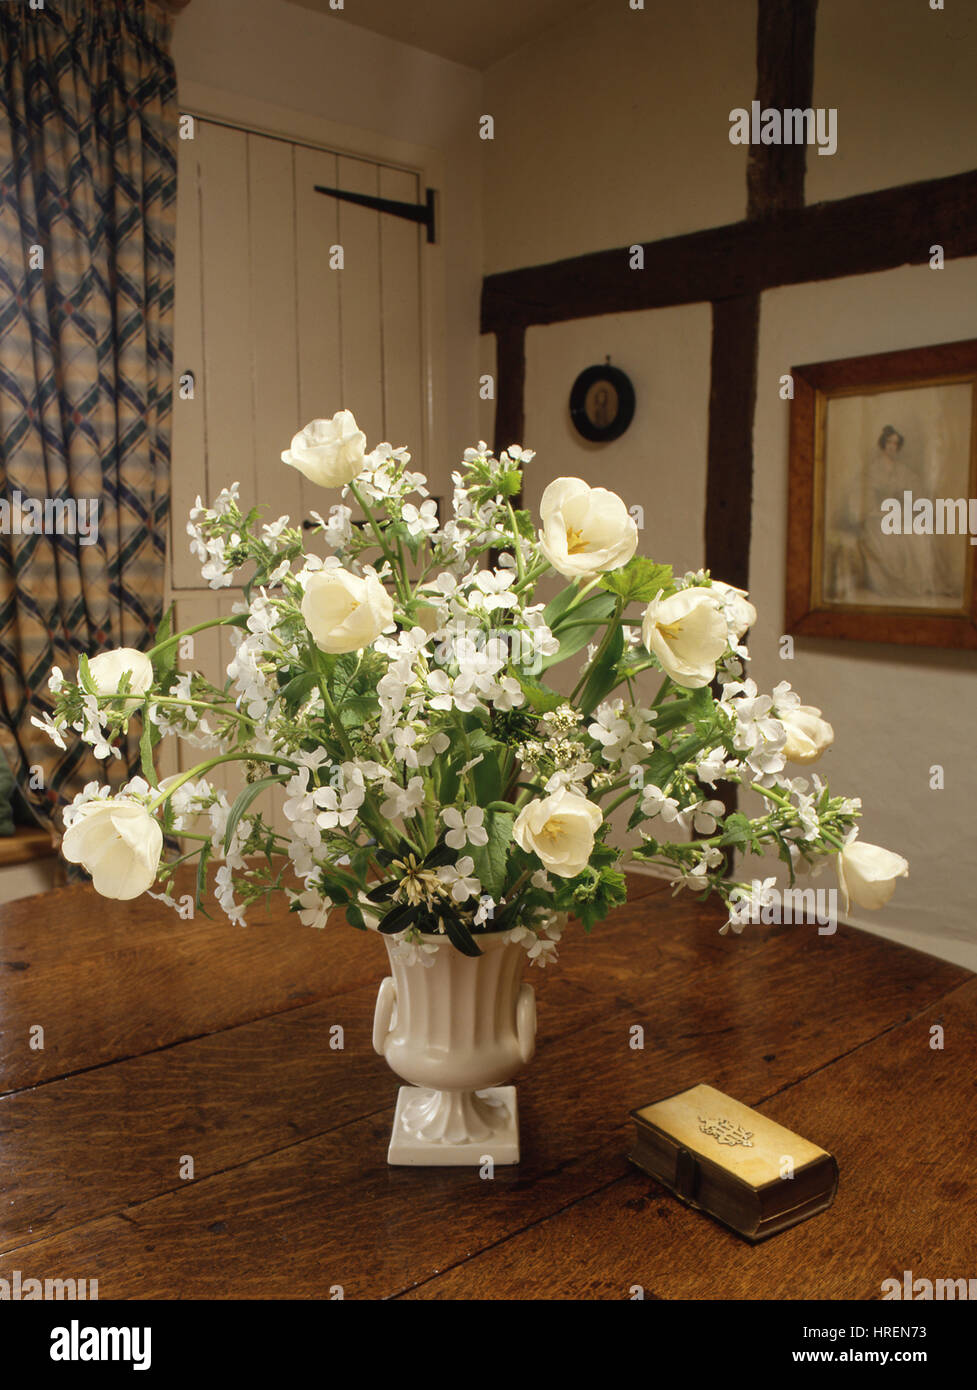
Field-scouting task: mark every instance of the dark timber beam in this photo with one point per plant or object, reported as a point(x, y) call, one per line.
point(510, 386)
point(729, 468)
point(785, 81)
point(850, 236)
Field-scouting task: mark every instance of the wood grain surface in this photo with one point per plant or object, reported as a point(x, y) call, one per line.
point(168, 1040)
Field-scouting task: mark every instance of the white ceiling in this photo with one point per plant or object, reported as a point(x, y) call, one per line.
point(474, 32)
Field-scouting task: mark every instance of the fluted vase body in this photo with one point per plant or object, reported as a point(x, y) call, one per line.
point(456, 1028)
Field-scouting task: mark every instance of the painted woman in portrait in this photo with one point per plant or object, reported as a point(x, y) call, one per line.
point(893, 566)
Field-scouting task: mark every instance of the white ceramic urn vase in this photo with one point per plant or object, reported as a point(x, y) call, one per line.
point(456, 1029)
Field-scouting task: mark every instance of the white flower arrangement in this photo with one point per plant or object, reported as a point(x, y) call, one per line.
point(437, 787)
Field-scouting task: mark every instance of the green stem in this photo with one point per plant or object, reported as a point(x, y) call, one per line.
point(612, 624)
point(517, 544)
point(201, 768)
point(620, 800)
point(189, 631)
point(369, 813)
point(400, 578)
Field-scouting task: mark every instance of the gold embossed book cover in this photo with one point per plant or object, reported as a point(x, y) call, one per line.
point(726, 1159)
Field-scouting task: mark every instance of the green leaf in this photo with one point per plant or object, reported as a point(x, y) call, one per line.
point(736, 830)
point(557, 606)
point(440, 855)
point(490, 858)
point(244, 800)
point(205, 851)
point(673, 714)
point(604, 675)
point(659, 767)
point(640, 580)
point(486, 775)
point(294, 691)
point(577, 627)
point(601, 891)
point(702, 703)
point(164, 661)
point(383, 892)
point(165, 626)
point(400, 917)
point(85, 676)
point(542, 698)
point(356, 710)
point(447, 779)
point(593, 610)
point(459, 935)
point(146, 749)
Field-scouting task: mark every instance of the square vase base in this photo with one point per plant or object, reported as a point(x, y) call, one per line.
point(412, 1150)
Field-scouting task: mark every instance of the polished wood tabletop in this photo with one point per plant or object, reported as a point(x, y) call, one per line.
point(169, 1041)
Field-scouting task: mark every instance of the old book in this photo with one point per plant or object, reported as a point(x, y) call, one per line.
point(723, 1158)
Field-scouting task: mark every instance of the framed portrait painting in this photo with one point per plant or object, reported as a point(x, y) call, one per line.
point(882, 509)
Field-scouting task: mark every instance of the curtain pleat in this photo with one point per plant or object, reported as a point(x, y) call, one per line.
point(88, 123)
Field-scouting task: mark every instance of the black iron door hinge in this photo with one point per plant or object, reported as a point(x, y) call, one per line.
point(411, 212)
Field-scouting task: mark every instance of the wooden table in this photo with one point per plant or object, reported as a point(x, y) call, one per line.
point(165, 1039)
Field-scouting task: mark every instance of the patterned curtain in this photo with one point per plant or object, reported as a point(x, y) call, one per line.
point(88, 124)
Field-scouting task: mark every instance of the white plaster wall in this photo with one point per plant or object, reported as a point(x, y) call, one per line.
point(896, 710)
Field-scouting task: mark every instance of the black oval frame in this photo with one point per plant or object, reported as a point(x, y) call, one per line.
point(625, 395)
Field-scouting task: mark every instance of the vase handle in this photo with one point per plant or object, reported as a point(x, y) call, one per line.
point(382, 1014)
point(526, 1021)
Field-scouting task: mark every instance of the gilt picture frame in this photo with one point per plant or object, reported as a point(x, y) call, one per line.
point(882, 498)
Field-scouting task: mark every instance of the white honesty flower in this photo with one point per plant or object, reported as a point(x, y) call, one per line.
point(625, 732)
point(313, 909)
point(704, 816)
point(422, 520)
point(47, 724)
point(711, 765)
point(402, 801)
point(745, 903)
point(339, 806)
point(421, 953)
point(492, 590)
point(758, 734)
point(467, 829)
point(739, 613)
point(655, 802)
point(485, 910)
point(460, 879)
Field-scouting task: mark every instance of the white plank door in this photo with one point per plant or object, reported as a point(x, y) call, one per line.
point(274, 335)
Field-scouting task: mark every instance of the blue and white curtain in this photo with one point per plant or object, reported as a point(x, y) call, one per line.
point(88, 125)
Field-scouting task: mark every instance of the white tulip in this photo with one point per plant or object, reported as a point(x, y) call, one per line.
point(559, 830)
point(688, 634)
point(119, 843)
point(329, 452)
point(344, 612)
point(740, 613)
point(108, 668)
point(867, 874)
point(808, 735)
point(586, 530)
